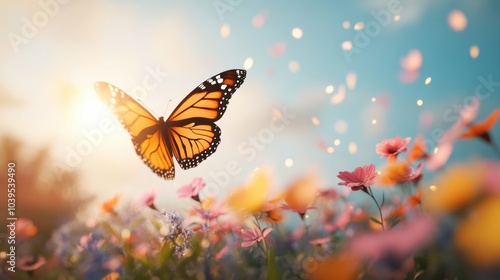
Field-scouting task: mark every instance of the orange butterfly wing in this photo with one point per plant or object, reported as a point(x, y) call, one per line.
point(146, 131)
point(193, 134)
point(190, 133)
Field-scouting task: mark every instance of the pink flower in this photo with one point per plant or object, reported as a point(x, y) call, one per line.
point(252, 236)
point(361, 177)
point(399, 241)
point(210, 211)
point(147, 199)
point(392, 147)
point(192, 189)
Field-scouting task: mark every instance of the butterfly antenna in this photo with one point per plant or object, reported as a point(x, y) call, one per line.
point(165, 113)
point(146, 106)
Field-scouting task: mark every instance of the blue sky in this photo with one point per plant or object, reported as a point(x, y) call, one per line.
point(47, 84)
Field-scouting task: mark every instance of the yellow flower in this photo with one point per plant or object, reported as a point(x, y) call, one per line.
point(455, 188)
point(477, 237)
point(302, 193)
point(251, 197)
point(398, 172)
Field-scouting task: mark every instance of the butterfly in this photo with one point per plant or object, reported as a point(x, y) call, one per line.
point(189, 134)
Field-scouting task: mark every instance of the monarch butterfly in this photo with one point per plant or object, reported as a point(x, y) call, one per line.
point(189, 134)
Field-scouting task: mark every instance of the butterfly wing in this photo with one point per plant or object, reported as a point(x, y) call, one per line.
point(193, 134)
point(146, 131)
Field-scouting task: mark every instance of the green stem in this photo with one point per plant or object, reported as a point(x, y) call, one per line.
point(370, 193)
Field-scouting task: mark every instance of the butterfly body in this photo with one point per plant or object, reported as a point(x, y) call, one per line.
point(189, 134)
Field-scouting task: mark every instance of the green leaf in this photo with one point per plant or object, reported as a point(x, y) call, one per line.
point(373, 219)
point(383, 200)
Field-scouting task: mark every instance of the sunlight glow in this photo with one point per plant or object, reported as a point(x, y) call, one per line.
point(248, 63)
point(329, 89)
point(359, 25)
point(297, 33)
point(428, 80)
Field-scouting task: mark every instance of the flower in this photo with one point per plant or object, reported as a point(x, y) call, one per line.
point(174, 233)
point(362, 177)
point(477, 235)
point(301, 194)
point(400, 172)
point(192, 189)
point(390, 148)
point(209, 209)
point(252, 236)
point(399, 241)
point(147, 199)
point(417, 151)
point(108, 206)
point(25, 228)
point(456, 187)
point(480, 129)
point(250, 198)
point(415, 199)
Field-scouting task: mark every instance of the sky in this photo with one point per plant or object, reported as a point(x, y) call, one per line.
point(326, 82)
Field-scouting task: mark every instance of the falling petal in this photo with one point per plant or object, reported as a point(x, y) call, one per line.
point(353, 148)
point(413, 61)
point(259, 19)
point(457, 20)
point(474, 51)
point(426, 119)
point(315, 121)
point(428, 80)
point(339, 96)
point(347, 45)
point(350, 80)
point(346, 24)
point(278, 49)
